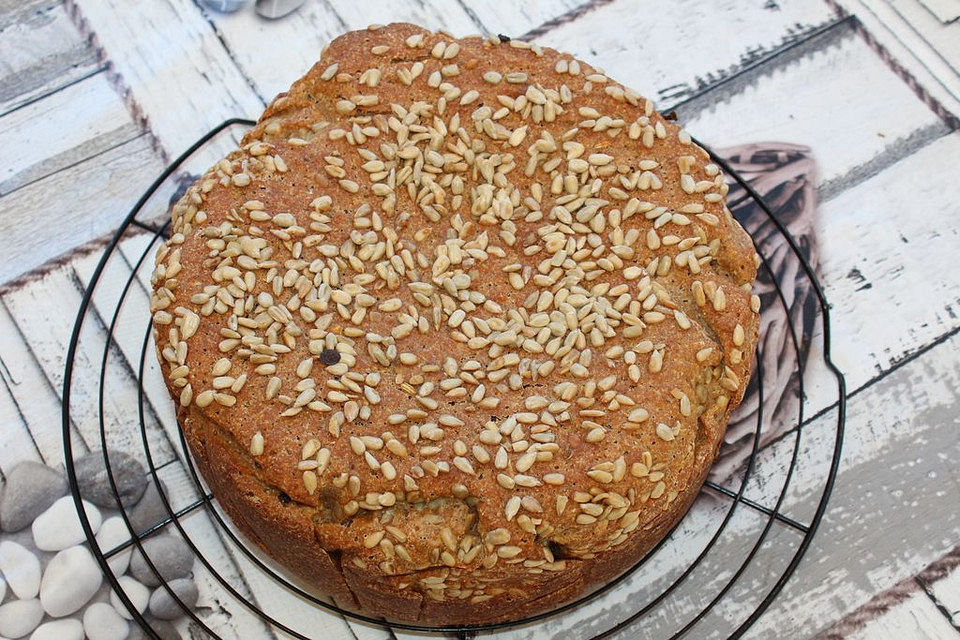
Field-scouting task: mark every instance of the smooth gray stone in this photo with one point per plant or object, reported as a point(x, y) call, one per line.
point(150, 509)
point(127, 472)
point(170, 555)
point(166, 608)
point(31, 488)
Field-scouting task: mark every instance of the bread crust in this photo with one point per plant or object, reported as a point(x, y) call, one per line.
point(405, 491)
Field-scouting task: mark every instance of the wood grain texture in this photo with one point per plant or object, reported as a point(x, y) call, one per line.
point(98, 121)
point(33, 395)
point(943, 38)
point(788, 99)
point(38, 312)
point(668, 64)
point(945, 592)
point(517, 18)
point(916, 618)
point(87, 200)
point(877, 259)
point(175, 72)
point(912, 46)
point(945, 10)
point(273, 69)
point(889, 457)
point(40, 51)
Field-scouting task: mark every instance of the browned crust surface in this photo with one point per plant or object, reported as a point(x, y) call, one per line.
point(541, 332)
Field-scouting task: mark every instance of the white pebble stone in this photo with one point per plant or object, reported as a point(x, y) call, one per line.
point(59, 526)
point(113, 532)
point(69, 581)
point(21, 570)
point(20, 617)
point(102, 622)
point(66, 629)
point(138, 593)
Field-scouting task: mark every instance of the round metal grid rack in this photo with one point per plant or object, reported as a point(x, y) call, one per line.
point(717, 571)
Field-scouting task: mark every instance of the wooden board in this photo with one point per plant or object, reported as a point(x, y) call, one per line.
point(305, 33)
point(98, 121)
point(40, 52)
point(33, 395)
point(517, 18)
point(668, 65)
point(907, 33)
point(180, 79)
point(946, 11)
point(787, 100)
point(38, 312)
point(945, 590)
point(910, 522)
point(86, 201)
point(916, 618)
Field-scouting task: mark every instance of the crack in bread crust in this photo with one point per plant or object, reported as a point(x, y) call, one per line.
point(454, 307)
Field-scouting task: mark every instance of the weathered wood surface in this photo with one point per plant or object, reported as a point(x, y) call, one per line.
point(170, 64)
point(923, 44)
point(40, 52)
point(79, 203)
point(784, 71)
point(946, 11)
point(98, 121)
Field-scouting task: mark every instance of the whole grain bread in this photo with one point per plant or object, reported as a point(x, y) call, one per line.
point(456, 333)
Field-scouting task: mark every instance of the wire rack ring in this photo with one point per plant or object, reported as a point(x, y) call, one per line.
point(649, 598)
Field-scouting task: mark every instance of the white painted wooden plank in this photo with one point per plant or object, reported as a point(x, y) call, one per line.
point(179, 75)
point(898, 231)
point(872, 272)
point(670, 50)
point(433, 14)
point(517, 18)
point(273, 69)
point(98, 120)
point(915, 618)
point(304, 33)
point(945, 39)
point(18, 445)
point(40, 51)
point(946, 590)
point(887, 520)
point(945, 10)
point(72, 206)
point(133, 320)
point(917, 56)
point(789, 103)
point(37, 400)
point(45, 314)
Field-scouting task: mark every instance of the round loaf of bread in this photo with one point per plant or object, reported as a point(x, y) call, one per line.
point(455, 334)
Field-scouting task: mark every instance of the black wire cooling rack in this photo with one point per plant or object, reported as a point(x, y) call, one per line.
point(717, 572)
